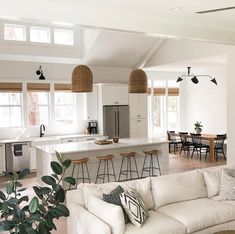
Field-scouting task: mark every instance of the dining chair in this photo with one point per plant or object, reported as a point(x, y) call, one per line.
point(219, 145)
point(198, 145)
point(186, 144)
point(173, 141)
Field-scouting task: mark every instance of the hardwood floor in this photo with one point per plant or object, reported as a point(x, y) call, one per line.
point(176, 164)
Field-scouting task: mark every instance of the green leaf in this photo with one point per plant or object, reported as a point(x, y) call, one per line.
point(44, 190)
point(33, 205)
point(66, 163)
point(24, 198)
point(48, 180)
point(56, 167)
point(59, 158)
point(60, 195)
point(23, 173)
point(42, 229)
point(55, 176)
point(13, 200)
point(2, 196)
point(62, 210)
point(10, 187)
point(7, 225)
point(37, 191)
point(18, 213)
point(70, 180)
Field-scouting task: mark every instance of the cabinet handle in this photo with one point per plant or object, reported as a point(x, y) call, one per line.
point(138, 115)
point(138, 120)
point(69, 140)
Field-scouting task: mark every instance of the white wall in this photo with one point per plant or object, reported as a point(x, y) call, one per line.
point(205, 102)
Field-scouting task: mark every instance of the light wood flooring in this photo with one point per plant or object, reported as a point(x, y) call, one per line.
point(176, 164)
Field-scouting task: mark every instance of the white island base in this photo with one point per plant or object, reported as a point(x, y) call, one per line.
point(46, 154)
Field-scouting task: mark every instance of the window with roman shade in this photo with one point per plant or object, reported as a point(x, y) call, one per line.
point(11, 105)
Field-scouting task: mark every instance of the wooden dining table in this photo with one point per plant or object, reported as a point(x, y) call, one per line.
point(211, 139)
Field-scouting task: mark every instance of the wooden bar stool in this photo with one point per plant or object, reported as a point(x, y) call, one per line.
point(106, 173)
point(81, 164)
point(151, 155)
point(129, 170)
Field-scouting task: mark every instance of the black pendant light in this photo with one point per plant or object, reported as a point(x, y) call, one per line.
point(39, 72)
point(194, 78)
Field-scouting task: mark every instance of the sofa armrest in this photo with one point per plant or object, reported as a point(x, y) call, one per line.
point(81, 221)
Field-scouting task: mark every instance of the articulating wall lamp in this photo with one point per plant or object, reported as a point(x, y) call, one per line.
point(194, 78)
point(39, 72)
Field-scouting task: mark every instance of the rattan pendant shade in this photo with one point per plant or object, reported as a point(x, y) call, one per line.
point(82, 79)
point(138, 82)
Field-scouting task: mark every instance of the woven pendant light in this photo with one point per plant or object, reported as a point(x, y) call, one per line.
point(138, 82)
point(82, 79)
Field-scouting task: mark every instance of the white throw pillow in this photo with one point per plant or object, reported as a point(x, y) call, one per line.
point(227, 188)
point(212, 181)
point(109, 213)
point(134, 207)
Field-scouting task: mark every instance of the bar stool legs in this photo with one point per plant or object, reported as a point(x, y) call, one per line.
point(106, 166)
point(150, 168)
point(128, 172)
point(80, 164)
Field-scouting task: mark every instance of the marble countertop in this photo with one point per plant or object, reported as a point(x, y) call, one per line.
point(47, 138)
point(77, 147)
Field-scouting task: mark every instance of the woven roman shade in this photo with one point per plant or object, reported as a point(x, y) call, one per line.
point(162, 91)
point(38, 87)
point(63, 87)
point(10, 87)
point(82, 79)
point(137, 82)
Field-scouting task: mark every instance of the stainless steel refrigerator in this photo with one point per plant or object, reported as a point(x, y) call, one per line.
point(116, 121)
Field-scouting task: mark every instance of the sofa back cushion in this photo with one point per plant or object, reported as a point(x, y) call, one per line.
point(178, 187)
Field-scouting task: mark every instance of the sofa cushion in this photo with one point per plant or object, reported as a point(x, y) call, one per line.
point(157, 223)
point(109, 213)
point(178, 187)
point(142, 186)
point(199, 214)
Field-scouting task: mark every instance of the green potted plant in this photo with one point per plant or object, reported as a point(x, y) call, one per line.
point(198, 127)
point(20, 215)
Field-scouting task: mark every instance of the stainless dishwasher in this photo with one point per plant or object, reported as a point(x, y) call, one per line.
point(17, 156)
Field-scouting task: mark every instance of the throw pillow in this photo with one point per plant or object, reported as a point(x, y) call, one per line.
point(134, 207)
point(114, 198)
point(227, 188)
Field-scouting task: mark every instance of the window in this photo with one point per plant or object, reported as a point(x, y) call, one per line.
point(65, 108)
point(41, 35)
point(173, 112)
point(10, 109)
point(38, 108)
point(63, 37)
point(14, 32)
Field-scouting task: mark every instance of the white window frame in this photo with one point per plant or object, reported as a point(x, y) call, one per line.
point(13, 105)
point(15, 25)
point(42, 28)
point(64, 30)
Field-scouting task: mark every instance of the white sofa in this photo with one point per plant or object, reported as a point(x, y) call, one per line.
point(179, 203)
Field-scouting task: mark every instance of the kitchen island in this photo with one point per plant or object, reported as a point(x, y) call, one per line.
point(46, 153)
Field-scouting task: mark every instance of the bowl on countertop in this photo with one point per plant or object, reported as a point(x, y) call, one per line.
point(115, 139)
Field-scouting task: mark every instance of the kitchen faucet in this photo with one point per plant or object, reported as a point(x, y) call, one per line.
point(42, 128)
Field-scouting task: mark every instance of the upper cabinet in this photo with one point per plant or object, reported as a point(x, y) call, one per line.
point(91, 105)
point(115, 95)
point(138, 106)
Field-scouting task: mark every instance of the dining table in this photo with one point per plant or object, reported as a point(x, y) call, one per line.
point(210, 138)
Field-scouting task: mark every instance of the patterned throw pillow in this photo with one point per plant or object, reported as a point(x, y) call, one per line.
point(134, 207)
point(114, 198)
point(227, 187)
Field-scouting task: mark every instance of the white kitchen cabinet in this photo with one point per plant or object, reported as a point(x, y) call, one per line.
point(91, 105)
point(115, 95)
point(138, 127)
point(2, 159)
point(138, 106)
point(68, 140)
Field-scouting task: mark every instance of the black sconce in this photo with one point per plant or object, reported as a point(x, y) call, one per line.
point(39, 72)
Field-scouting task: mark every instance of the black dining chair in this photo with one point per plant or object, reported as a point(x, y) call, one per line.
point(198, 145)
point(186, 145)
point(173, 141)
point(219, 145)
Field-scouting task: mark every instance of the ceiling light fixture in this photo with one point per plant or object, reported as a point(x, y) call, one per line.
point(176, 9)
point(39, 72)
point(138, 82)
point(194, 78)
point(63, 23)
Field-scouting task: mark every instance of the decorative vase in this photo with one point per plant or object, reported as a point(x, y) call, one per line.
point(198, 130)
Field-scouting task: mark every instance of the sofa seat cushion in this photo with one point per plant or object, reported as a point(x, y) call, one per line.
point(199, 214)
point(157, 223)
point(178, 187)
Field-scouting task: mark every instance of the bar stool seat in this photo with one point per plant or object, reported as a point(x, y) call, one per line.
point(81, 164)
point(152, 156)
point(128, 172)
point(106, 159)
